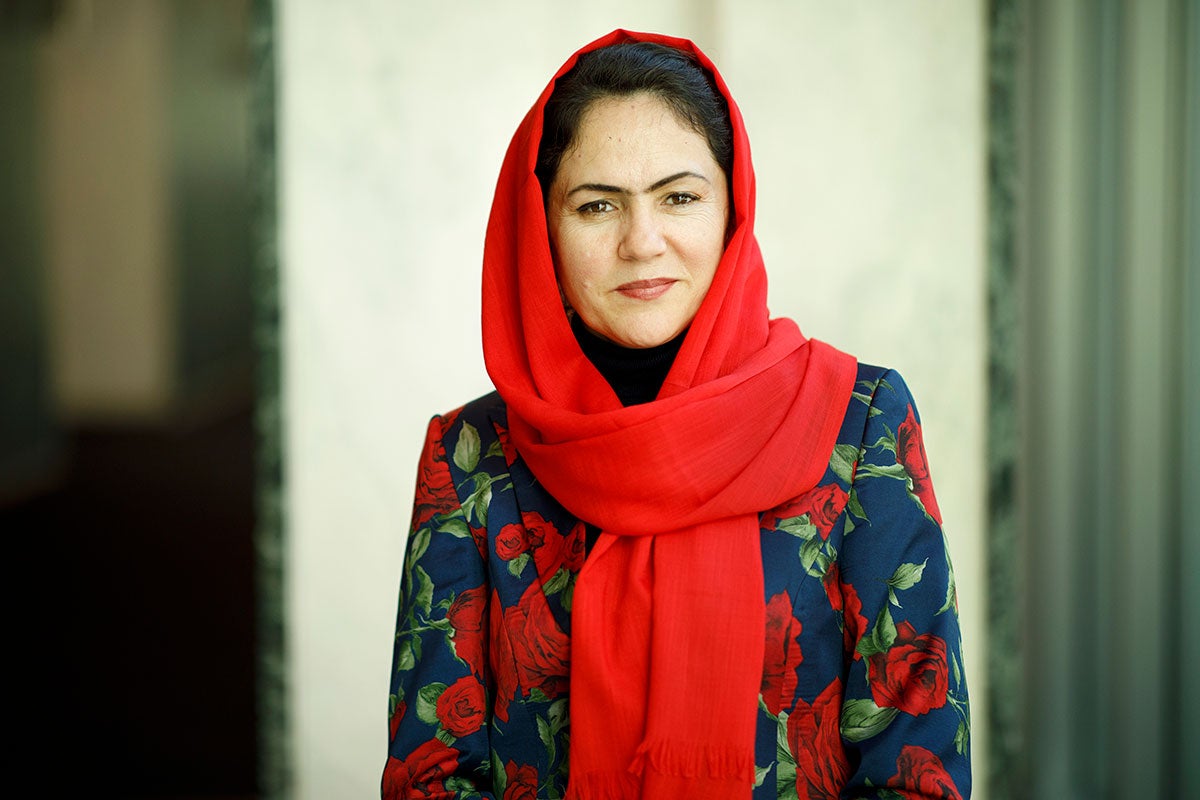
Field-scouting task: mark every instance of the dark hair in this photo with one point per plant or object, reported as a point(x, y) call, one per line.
point(675, 77)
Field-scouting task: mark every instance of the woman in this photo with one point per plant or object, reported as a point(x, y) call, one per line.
point(709, 543)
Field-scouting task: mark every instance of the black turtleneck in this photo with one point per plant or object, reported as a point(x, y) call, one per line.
point(635, 375)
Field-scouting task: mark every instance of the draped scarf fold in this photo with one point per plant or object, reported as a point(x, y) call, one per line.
point(668, 618)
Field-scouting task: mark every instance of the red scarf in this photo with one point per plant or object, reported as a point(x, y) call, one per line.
point(668, 620)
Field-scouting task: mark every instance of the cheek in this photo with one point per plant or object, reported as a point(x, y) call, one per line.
point(706, 254)
point(576, 263)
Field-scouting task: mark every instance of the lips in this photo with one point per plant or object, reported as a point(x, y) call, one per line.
point(646, 290)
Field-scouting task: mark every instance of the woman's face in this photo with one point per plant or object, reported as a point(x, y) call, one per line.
point(637, 216)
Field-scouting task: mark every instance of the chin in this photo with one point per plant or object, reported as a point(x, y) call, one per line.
point(643, 339)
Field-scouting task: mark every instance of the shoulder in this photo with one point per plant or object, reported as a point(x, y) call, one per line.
point(490, 406)
point(892, 444)
point(883, 396)
point(877, 392)
point(473, 441)
point(881, 387)
point(457, 441)
point(487, 415)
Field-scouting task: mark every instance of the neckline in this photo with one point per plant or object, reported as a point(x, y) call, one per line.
point(635, 374)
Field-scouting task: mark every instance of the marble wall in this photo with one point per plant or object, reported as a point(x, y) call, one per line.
point(867, 122)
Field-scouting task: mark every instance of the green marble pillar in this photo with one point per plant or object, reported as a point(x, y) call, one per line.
point(1003, 572)
point(1094, 384)
point(274, 766)
point(29, 437)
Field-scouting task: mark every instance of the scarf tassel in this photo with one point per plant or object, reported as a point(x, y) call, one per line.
point(604, 785)
point(694, 759)
point(687, 760)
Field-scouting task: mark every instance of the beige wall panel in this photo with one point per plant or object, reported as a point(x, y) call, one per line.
point(868, 133)
point(104, 125)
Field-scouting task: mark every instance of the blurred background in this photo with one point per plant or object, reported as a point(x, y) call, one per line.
point(127, 445)
point(239, 254)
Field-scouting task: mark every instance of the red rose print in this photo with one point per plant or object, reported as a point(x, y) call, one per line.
point(912, 674)
point(522, 782)
point(546, 543)
point(575, 548)
point(466, 612)
point(435, 487)
point(422, 773)
point(465, 615)
point(511, 541)
point(825, 506)
point(920, 776)
point(510, 452)
point(822, 768)
point(843, 597)
point(480, 537)
point(504, 668)
point(793, 508)
point(782, 655)
point(540, 650)
point(460, 707)
point(910, 452)
point(448, 420)
point(397, 715)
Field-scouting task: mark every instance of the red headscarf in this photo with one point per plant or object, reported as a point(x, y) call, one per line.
point(668, 617)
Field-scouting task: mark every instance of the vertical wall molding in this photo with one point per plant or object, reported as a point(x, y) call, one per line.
point(1185, 551)
point(31, 443)
point(274, 769)
point(1004, 663)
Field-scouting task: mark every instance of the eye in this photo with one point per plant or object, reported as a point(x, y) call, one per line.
point(595, 207)
point(681, 198)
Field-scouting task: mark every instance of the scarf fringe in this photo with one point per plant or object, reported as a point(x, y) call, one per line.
point(603, 785)
point(694, 759)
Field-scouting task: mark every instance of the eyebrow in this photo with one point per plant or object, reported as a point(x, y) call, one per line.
point(604, 187)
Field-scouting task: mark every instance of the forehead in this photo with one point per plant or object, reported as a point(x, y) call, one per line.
point(634, 133)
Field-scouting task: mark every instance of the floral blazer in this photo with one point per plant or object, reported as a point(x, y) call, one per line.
point(862, 695)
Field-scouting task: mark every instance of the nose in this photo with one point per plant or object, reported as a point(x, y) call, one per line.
point(642, 237)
